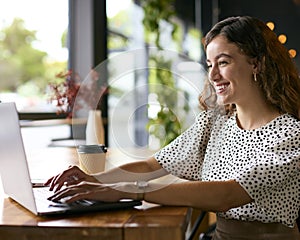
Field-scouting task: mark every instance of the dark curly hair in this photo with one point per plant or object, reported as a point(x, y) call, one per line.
point(278, 79)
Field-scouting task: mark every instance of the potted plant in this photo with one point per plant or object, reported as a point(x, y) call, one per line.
point(70, 94)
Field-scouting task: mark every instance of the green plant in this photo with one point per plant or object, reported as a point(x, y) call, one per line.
point(156, 11)
point(165, 125)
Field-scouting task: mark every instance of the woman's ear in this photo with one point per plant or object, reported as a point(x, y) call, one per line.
point(256, 65)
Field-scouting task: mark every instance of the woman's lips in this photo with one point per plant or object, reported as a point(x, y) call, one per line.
point(220, 88)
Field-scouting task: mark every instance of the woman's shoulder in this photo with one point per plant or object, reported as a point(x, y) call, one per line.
point(210, 119)
point(284, 130)
point(211, 115)
point(287, 122)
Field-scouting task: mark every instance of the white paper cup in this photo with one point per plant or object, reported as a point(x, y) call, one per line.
point(92, 158)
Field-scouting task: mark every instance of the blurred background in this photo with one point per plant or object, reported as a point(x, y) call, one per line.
point(127, 41)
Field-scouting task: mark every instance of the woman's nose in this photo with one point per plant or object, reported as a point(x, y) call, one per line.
point(214, 74)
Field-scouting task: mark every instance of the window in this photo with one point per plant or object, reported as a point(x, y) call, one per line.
point(132, 97)
point(33, 49)
point(40, 53)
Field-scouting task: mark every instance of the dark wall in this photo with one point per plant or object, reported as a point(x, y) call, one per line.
point(284, 13)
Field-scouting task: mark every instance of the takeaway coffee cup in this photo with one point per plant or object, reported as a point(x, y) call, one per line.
point(92, 158)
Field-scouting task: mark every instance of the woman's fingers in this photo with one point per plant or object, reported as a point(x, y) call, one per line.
point(48, 181)
point(62, 194)
point(70, 176)
point(74, 193)
point(85, 190)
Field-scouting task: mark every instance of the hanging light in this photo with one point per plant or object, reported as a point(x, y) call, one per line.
point(271, 25)
point(292, 53)
point(282, 38)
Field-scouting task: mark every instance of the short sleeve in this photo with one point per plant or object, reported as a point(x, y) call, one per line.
point(184, 156)
point(274, 181)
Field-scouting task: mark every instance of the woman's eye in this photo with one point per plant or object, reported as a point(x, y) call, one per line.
point(222, 63)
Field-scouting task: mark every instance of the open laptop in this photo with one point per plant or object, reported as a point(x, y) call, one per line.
point(16, 178)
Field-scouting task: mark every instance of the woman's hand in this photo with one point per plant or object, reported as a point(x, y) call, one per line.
point(70, 176)
point(91, 191)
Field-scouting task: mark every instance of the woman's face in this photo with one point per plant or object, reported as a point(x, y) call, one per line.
point(230, 72)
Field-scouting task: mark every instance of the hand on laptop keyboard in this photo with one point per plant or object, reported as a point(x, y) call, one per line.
point(71, 176)
point(96, 191)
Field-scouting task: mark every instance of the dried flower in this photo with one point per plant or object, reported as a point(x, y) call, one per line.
point(64, 92)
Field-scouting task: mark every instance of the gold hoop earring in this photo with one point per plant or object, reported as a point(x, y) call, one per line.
point(255, 77)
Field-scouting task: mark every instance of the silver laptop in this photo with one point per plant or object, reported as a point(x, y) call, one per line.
point(16, 178)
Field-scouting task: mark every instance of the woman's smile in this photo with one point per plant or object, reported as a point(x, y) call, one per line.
point(221, 88)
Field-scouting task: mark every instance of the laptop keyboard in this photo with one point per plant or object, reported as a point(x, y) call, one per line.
point(41, 194)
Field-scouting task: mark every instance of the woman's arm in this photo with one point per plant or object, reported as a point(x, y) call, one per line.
point(210, 196)
point(131, 172)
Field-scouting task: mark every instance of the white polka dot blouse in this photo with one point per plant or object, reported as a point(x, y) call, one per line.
point(264, 161)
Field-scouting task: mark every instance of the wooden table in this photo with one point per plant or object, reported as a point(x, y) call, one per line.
point(148, 221)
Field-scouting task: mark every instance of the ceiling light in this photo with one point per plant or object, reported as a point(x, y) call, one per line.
point(282, 38)
point(292, 53)
point(271, 25)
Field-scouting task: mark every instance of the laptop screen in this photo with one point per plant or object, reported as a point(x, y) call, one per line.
point(15, 175)
point(13, 164)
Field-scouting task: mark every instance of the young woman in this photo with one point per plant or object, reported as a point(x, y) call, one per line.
point(241, 155)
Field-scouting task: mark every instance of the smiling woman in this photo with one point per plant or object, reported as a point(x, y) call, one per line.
point(243, 163)
point(231, 72)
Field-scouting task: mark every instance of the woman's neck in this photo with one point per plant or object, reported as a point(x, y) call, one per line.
point(253, 117)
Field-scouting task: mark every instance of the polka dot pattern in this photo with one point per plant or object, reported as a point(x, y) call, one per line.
point(264, 161)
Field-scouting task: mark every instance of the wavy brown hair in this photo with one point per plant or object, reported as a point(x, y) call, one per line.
point(278, 79)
